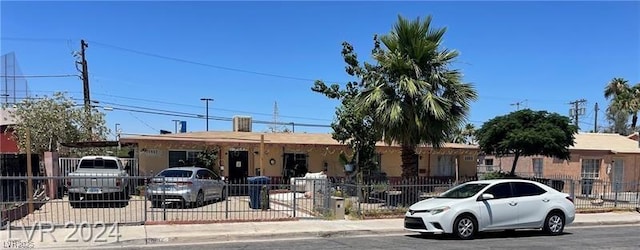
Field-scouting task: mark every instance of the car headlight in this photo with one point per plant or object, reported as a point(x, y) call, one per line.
point(438, 210)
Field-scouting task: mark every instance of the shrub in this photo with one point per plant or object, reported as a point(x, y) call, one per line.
point(497, 175)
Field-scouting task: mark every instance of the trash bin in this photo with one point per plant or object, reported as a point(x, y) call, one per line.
point(256, 192)
point(337, 207)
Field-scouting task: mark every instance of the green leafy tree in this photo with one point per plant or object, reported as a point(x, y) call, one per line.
point(352, 126)
point(54, 120)
point(413, 94)
point(527, 133)
point(208, 158)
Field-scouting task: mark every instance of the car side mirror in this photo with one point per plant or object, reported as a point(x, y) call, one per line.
point(485, 197)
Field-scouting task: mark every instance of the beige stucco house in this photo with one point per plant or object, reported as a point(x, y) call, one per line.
point(282, 154)
point(607, 158)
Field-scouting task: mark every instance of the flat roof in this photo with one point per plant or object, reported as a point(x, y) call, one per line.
point(254, 137)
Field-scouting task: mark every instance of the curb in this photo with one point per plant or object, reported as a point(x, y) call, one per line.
point(221, 238)
point(604, 223)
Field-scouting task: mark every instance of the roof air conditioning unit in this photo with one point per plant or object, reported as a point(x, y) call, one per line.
point(242, 124)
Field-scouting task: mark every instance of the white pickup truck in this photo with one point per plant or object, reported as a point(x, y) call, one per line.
point(98, 176)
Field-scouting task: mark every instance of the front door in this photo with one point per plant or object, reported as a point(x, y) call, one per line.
point(238, 166)
point(618, 174)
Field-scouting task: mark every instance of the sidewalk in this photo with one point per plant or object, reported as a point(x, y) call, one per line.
point(223, 232)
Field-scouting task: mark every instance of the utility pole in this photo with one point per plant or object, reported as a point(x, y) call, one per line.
point(577, 110)
point(175, 123)
point(85, 86)
point(595, 122)
point(207, 100)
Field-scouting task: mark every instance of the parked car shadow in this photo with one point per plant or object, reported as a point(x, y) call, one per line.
point(489, 235)
point(95, 203)
point(101, 204)
point(183, 205)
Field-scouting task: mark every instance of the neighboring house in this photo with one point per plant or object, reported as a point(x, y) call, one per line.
point(8, 145)
point(633, 136)
point(288, 154)
point(605, 158)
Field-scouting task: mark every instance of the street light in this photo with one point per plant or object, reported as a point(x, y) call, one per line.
point(207, 100)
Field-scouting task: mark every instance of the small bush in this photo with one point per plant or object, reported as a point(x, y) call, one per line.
point(498, 175)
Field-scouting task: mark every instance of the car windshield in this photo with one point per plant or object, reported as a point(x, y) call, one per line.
point(176, 173)
point(98, 164)
point(463, 191)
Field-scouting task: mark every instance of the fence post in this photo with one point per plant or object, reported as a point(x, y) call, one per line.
point(572, 191)
point(293, 188)
point(616, 186)
point(328, 194)
point(226, 201)
point(164, 206)
point(145, 210)
point(359, 193)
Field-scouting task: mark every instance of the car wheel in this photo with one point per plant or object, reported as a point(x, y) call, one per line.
point(554, 223)
point(465, 227)
point(200, 199)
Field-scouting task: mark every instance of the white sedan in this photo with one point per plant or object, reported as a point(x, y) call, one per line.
point(492, 205)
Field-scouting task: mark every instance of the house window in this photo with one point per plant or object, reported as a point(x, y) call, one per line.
point(446, 166)
point(188, 157)
point(590, 168)
point(468, 158)
point(488, 162)
point(537, 167)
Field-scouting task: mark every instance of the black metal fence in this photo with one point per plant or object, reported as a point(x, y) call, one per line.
point(146, 200)
point(108, 200)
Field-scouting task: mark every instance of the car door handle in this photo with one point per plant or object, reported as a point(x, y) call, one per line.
point(513, 203)
point(545, 200)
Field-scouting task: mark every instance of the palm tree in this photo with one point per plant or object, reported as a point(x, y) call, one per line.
point(463, 135)
point(624, 98)
point(415, 96)
point(469, 132)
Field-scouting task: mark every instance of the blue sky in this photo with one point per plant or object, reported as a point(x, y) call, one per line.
point(547, 53)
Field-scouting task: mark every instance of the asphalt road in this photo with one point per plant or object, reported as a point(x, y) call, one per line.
point(619, 237)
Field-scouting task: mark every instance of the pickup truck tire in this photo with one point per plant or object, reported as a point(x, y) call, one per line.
point(156, 204)
point(74, 200)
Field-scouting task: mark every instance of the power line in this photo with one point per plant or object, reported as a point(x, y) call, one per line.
point(195, 106)
point(200, 63)
point(39, 76)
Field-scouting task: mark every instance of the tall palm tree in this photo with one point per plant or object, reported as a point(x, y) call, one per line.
point(624, 98)
point(415, 96)
point(463, 135)
point(469, 132)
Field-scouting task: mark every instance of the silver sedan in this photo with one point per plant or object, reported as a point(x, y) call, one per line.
point(191, 186)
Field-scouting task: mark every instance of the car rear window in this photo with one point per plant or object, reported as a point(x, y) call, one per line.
point(99, 164)
point(176, 173)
